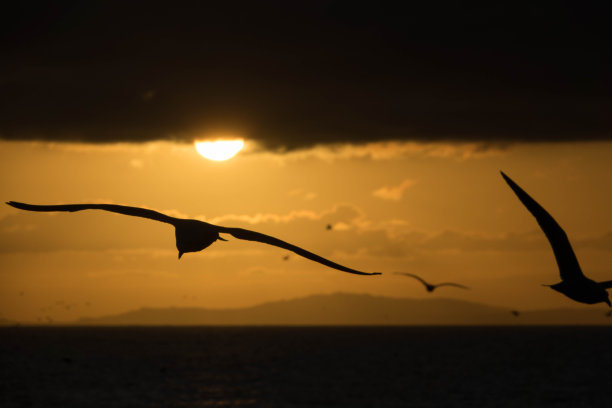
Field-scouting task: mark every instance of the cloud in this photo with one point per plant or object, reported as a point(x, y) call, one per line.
point(492, 73)
point(137, 163)
point(338, 213)
point(393, 193)
point(304, 195)
point(328, 153)
point(393, 150)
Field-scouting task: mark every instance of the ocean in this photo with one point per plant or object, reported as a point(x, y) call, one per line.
point(305, 366)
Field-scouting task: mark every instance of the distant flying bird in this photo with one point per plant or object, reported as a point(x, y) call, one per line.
point(191, 235)
point(329, 227)
point(429, 286)
point(573, 283)
point(515, 313)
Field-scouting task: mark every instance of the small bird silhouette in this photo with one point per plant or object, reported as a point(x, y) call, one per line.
point(573, 283)
point(515, 313)
point(429, 286)
point(191, 235)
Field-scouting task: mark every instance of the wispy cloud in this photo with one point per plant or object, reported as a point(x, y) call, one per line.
point(340, 212)
point(392, 150)
point(394, 193)
point(301, 193)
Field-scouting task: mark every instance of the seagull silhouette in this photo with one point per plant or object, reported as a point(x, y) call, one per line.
point(191, 235)
point(573, 283)
point(429, 286)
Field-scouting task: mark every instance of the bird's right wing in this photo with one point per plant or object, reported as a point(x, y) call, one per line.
point(569, 268)
point(249, 235)
point(121, 209)
point(413, 276)
point(456, 285)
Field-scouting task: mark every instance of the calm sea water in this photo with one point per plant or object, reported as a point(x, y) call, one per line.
point(306, 367)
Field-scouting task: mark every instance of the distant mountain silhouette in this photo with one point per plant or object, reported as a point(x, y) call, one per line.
point(351, 309)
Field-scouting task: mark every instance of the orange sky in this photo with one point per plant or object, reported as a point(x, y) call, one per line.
point(439, 210)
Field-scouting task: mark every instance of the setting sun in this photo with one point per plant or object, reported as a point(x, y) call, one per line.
point(219, 150)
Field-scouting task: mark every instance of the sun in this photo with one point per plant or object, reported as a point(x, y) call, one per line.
point(219, 150)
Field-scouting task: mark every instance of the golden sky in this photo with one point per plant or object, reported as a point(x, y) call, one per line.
point(439, 210)
point(388, 121)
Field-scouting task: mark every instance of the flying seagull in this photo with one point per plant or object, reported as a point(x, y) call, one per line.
point(429, 286)
point(573, 283)
point(191, 235)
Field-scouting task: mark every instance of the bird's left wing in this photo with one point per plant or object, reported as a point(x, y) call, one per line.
point(249, 235)
point(569, 268)
point(120, 209)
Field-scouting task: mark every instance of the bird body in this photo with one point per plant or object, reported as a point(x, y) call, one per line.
point(191, 235)
point(573, 283)
point(194, 235)
point(584, 291)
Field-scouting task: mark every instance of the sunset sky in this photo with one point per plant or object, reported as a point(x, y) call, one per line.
point(390, 124)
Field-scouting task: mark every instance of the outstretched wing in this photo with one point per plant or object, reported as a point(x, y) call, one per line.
point(413, 276)
point(564, 254)
point(266, 239)
point(605, 284)
point(456, 285)
point(121, 209)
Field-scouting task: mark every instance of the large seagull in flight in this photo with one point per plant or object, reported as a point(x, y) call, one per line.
point(573, 283)
point(191, 235)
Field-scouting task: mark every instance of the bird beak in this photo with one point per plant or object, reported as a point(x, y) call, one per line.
point(180, 254)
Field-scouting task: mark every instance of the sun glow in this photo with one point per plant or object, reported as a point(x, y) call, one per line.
point(219, 150)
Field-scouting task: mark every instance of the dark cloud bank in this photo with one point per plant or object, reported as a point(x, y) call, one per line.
point(293, 76)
